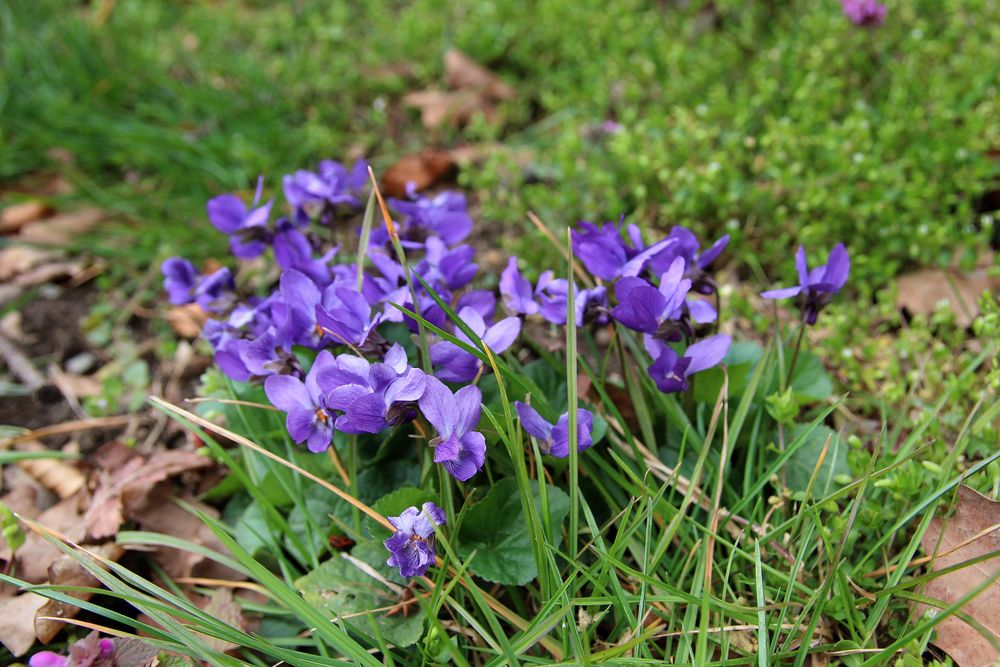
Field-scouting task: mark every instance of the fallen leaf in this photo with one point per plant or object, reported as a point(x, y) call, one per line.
point(187, 320)
point(973, 531)
point(472, 89)
point(18, 259)
point(65, 571)
point(171, 519)
point(224, 608)
point(461, 72)
point(59, 476)
point(14, 217)
point(17, 622)
point(73, 384)
point(49, 272)
point(438, 107)
point(921, 292)
point(423, 169)
point(37, 553)
point(63, 228)
point(133, 652)
point(125, 491)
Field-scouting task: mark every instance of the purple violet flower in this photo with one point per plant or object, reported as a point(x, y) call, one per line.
point(552, 294)
point(445, 215)
point(591, 306)
point(246, 228)
point(214, 292)
point(482, 301)
point(309, 418)
point(602, 249)
point(864, 12)
point(412, 545)
point(518, 296)
point(548, 299)
point(388, 398)
point(332, 183)
point(457, 365)
point(606, 255)
point(454, 416)
point(642, 307)
point(555, 437)
point(91, 651)
point(670, 372)
point(346, 316)
point(452, 268)
point(179, 280)
point(697, 263)
point(292, 250)
point(816, 288)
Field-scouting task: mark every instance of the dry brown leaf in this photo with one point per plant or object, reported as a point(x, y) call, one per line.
point(18, 259)
point(65, 571)
point(14, 217)
point(438, 107)
point(223, 607)
point(171, 519)
point(63, 228)
point(59, 476)
point(461, 72)
point(472, 89)
point(125, 491)
point(920, 292)
point(72, 384)
point(17, 622)
point(423, 169)
point(37, 554)
point(187, 320)
point(974, 530)
point(49, 272)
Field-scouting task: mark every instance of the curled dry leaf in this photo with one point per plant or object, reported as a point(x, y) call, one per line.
point(124, 491)
point(63, 228)
point(59, 476)
point(423, 169)
point(13, 218)
point(16, 260)
point(973, 531)
point(920, 292)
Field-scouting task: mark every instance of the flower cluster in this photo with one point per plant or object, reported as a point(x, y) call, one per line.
point(320, 340)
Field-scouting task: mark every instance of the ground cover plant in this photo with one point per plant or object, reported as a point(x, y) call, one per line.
point(422, 478)
point(683, 414)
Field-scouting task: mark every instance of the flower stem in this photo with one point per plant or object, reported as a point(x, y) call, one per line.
point(795, 354)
